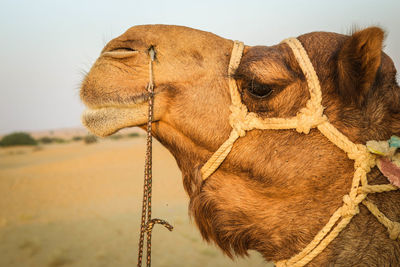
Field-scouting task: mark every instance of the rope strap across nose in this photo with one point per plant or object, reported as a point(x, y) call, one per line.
point(311, 116)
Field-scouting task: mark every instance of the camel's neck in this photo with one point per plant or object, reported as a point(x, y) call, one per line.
point(365, 241)
point(233, 209)
point(188, 155)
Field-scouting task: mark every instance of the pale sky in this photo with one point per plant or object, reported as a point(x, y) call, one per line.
point(46, 45)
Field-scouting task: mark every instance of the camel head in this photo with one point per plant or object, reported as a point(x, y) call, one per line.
point(277, 188)
point(185, 72)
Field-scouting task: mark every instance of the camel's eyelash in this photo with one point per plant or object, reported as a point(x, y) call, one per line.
point(258, 90)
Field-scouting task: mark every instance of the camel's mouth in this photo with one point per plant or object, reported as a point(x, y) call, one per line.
point(106, 118)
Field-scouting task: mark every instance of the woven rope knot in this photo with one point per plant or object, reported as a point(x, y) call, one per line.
point(308, 118)
point(150, 224)
point(350, 208)
point(239, 119)
point(363, 159)
point(394, 231)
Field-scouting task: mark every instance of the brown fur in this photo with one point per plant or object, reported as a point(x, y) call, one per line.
point(276, 189)
point(358, 62)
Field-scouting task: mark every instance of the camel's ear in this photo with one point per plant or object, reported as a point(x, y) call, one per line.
point(358, 63)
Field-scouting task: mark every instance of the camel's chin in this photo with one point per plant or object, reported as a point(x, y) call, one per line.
point(106, 121)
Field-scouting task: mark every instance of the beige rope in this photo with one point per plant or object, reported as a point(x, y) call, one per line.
point(238, 116)
point(307, 118)
point(393, 227)
point(216, 159)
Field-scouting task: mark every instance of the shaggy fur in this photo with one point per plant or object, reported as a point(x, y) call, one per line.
point(276, 189)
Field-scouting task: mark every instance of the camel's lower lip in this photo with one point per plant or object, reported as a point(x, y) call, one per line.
point(107, 120)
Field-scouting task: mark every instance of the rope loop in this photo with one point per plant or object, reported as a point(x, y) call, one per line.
point(362, 158)
point(309, 118)
point(394, 231)
point(239, 119)
point(349, 208)
point(314, 107)
point(150, 224)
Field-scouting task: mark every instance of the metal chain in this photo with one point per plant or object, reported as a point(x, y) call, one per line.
point(147, 224)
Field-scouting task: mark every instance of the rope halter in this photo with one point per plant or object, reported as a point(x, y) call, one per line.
point(147, 222)
point(311, 116)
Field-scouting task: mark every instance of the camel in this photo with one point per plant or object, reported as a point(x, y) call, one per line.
point(276, 188)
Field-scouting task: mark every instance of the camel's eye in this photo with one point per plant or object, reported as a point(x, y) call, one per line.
point(257, 90)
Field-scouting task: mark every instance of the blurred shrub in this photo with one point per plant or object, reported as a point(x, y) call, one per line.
point(18, 139)
point(49, 140)
point(116, 136)
point(45, 140)
point(77, 138)
point(90, 139)
point(59, 140)
point(133, 135)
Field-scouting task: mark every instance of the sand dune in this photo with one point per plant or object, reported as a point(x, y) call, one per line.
point(78, 205)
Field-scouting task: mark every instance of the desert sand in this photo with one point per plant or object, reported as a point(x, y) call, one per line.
point(79, 205)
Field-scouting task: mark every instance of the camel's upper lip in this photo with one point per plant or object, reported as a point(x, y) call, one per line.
point(106, 118)
point(117, 102)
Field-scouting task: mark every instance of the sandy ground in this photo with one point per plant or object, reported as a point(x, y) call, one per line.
point(78, 205)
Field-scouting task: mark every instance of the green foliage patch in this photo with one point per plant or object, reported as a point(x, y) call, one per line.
point(18, 139)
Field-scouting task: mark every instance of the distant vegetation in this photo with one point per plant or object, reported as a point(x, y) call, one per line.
point(121, 136)
point(22, 139)
point(116, 136)
point(18, 139)
point(90, 139)
point(77, 138)
point(49, 140)
point(133, 135)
